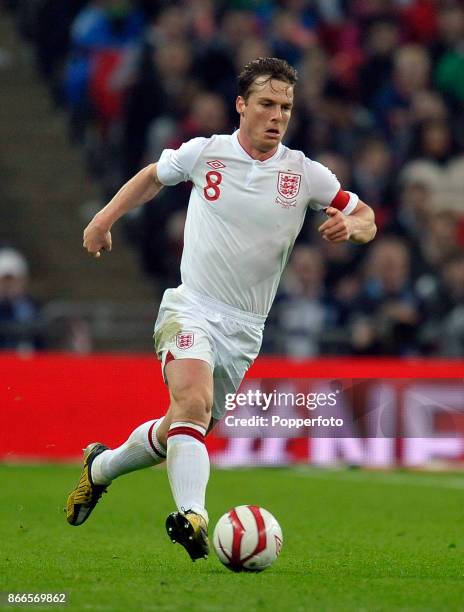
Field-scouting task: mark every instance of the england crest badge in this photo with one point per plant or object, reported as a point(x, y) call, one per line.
point(288, 186)
point(184, 340)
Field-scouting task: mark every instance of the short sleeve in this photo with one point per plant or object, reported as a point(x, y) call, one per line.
point(176, 165)
point(325, 189)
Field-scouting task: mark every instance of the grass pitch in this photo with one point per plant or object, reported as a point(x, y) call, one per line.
point(353, 540)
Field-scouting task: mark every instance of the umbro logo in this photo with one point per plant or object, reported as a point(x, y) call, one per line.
point(215, 164)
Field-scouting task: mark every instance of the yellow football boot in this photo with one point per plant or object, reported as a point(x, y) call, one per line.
point(83, 499)
point(191, 531)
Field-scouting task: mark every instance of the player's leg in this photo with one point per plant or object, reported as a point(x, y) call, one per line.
point(191, 389)
point(145, 447)
point(165, 424)
point(141, 450)
point(237, 346)
point(102, 465)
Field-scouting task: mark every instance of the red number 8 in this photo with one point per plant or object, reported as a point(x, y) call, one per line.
point(213, 180)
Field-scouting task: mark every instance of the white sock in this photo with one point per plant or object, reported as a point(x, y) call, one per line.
point(142, 449)
point(188, 466)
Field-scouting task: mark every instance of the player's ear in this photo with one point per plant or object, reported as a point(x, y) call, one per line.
point(240, 105)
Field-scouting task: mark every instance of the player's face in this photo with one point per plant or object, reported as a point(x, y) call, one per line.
point(264, 116)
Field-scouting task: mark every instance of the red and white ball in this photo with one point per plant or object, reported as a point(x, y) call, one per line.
point(247, 538)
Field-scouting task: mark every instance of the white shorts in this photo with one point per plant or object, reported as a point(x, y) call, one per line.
point(192, 326)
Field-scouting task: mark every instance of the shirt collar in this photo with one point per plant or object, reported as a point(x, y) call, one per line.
point(248, 157)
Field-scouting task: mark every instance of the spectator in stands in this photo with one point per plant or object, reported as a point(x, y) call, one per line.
point(437, 157)
point(51, 32)
point(100, 34)
point(448, 53)
point(381, 38)
point(414, 209)
point(443, 311)
point(373, 172)
point(440, 241)
point(309, 131)
point(332, 120)
point(411, 73)
point(163, 89)
point(302, 313)
point(418, 19)
point(170, 24)
point(385, 315)
point(19, 313)
point(339, 165)
point(292, 34)
point(428, 105)
point(207, 115)
point(214, 64)
point(249, 49)
point(411, 219)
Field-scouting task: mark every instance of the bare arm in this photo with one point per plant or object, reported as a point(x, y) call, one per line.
point(141, 188)
point(359, 227)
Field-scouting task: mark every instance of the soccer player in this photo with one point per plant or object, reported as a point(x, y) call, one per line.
point(249, 198)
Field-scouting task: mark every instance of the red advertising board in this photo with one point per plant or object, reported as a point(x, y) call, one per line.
point(54, 404)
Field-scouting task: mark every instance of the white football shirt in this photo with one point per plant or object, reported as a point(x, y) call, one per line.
point(244, 215)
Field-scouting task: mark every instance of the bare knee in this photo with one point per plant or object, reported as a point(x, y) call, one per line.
point(164, 426)
point(191, 389)
point(192, 404)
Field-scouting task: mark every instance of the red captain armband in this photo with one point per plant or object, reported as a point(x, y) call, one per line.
point(341, 200)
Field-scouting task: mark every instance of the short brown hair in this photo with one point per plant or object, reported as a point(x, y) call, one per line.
point(272, 67)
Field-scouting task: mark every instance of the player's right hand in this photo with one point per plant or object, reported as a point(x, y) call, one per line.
point(96, 239)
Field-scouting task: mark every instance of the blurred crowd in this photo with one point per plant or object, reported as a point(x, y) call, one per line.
point(379, 101)
point(19, 312)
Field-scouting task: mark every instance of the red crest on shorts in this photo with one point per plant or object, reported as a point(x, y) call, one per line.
point(288, 184)
point(184, 340)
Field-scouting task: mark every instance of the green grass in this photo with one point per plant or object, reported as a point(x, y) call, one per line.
point(353, 540)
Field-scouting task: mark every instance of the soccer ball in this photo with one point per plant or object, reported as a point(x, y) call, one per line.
point(247, 539)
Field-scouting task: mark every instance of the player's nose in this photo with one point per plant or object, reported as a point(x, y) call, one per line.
point(277, 115)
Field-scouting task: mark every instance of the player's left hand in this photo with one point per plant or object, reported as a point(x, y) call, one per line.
point(337, 228)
